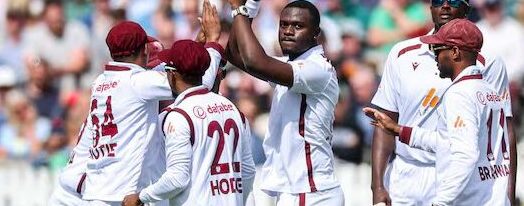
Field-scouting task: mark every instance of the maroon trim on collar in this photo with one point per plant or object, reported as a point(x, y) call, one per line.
point(481, 59)
point(468, 77)
point(116, 68)
point(196, 92)
point(409, 48)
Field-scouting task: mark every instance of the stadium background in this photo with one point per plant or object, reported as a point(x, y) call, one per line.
point(45, 79)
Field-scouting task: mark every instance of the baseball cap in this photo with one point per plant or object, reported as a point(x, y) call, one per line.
point(125, 38)
point(458, 32)
point(186, 57)
point(153, 48)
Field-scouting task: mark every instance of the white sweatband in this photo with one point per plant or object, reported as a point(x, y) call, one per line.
point(252, 8)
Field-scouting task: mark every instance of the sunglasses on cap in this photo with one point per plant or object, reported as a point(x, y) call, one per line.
point(452, 3)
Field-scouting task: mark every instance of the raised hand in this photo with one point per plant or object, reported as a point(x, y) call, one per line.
point(210, 22)
point(236, 3)
point(382, 121)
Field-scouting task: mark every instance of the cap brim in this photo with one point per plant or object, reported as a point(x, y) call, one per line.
point(431, 39)
point(153, 63)
point(151, 39)
point(164, 56)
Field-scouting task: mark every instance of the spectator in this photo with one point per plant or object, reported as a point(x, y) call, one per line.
point(69, 41)
point(7, 83)
point(163, 23)
point(395, 20)
point(503, 36)
point(41, 91)
point(11, 49)
point(23, 135)
point(99, 21)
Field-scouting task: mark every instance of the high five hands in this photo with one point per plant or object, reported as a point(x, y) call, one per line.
point(210, 27)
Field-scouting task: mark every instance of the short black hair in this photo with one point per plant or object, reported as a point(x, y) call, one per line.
point(303, 4)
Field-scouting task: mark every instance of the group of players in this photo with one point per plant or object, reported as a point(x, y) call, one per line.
point(197, 150)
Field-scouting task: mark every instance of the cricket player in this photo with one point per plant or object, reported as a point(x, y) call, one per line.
point(207, 139)
point(409, 92)
point(70, 185)
point(129, 92)
point(299, 165)
point(472, 157)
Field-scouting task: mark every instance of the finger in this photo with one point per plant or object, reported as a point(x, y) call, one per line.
point(205, 11)
point(215, 12)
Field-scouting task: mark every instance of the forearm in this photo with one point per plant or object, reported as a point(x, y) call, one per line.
point(383, 146)
point(512, 160)
point(420, 138)
point(250, 50)
point(405, 25)
point(170, 184)
point(232, 54)
point(78, 62)
point(378, 37)
point(457, 174)
point(247, 188)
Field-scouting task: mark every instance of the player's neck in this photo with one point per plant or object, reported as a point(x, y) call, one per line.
point(182, 86)
point(459, 68)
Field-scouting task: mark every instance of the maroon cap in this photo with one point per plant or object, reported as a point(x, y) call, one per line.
point(153, 48)
point(187, 57)
point(458, 32)
point(125, 38)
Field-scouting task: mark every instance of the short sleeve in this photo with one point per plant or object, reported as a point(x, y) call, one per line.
point(388, 91)
point(151, 85)
point(309, 77)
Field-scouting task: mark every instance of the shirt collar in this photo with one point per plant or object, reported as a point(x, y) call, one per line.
point(312, 51)
point(190, 92)
point(122, 66)
point(471, 72)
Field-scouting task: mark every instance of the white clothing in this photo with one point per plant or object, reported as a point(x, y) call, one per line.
point(208, 152)
point(331, 197)
point(297, 145)
point(412, 87)
point(505, 40)
point(471, 142)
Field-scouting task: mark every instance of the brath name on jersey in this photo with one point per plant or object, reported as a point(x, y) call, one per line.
point(218, 108)
point(106, 86)
point(493, 171)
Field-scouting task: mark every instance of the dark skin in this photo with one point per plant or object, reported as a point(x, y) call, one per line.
point(297, 34)
point(451, 61)
point(210, 32)
point(383, 144)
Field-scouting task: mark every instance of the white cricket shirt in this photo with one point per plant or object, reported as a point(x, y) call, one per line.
point(208, 153)
point(471, 142)
point(151, 85)
point(298, 142)
point(411, 86)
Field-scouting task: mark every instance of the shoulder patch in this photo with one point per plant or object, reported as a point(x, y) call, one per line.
point(409, 48)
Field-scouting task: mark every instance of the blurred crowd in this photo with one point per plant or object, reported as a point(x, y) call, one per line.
point(51, 51)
